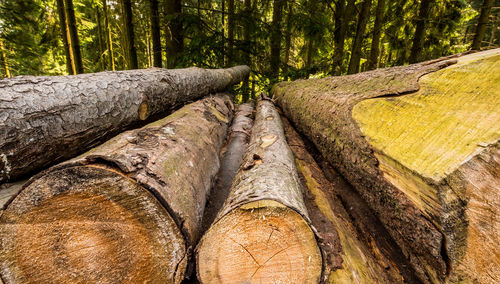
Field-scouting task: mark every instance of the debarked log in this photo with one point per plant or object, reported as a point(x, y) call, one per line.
point(128, 211)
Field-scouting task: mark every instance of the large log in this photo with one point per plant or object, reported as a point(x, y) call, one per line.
point(426, 159)
point(45, 120)
point(128, 211)
point(262, 233)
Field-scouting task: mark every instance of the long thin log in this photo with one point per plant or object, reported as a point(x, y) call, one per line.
point(238, 138)
point(262, 233)
point(426, 162)
point(45, 120)
point(129, 210)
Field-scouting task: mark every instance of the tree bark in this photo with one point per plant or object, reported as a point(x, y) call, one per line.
point(238, 138)
point(73, 35)
point(128, 27)
point(44, 120)
point(482, 23)
point(438, 207)
point(174, 33)
point(276, 39)
point(339, 35)
point(130, 210)
point(262, 232)
point(377, 32)
point(109, 40)
point(420, 23)
point(364, 16)
point(155, 33)
point(64, 35)
point(355, 247)
point(310, 38)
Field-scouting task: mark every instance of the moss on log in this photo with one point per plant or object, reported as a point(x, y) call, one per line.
point(49, 119)
point(426, 162)
point(262, 233)
point(128, 211)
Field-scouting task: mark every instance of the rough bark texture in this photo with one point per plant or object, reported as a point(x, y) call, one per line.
point(482, 23)
point(262, 231)
point(128, 28)
point(238, 138)
point(64, 36)
point(129, 210)
point(73, 35)
point(155, 32)
point(364, 16)
point(436, 220)
point(352, 254)
point(420, 23)
point(44, 120)
point(377, 31)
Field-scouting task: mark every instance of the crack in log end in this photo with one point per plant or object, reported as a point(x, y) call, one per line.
point(245, 247)
point(101, 229)
point(143, 110)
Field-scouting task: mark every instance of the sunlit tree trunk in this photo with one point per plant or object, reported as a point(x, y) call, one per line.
point(155, 33)
point(482, 22)
point(363, 18)
point(4, 60)
point(129, 34)
point(276, 38)
point(109, 40)
point(377, 32)
point(174, 33)
point(418, 38)
point(73, 34)
point(64, 34)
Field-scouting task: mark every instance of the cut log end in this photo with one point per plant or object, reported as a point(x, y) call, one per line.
point(260, 242)
point(88, 224)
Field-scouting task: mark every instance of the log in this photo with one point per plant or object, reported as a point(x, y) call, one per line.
point(232, 156)
point(129, 210)
point(262, 232)
point(425, 159)
point(352, 253)
point(49, 119)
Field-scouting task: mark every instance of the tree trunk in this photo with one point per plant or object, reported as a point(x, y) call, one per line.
point(355, 247)
point(433, 187)
point(64, 34)
point(420, 23)
point(73, 35)
point(230, 32)
point(128, 27)
point(4, 60)
point(377, 32)
point(310, 38)
point(482, 23)
point(238, 137)
point(223, 39)
point(45, 120)
point(128, 211)
point(109, 40)
point(100, 40)
point(364, 16)
point(262, 232)
point(276, 39)
point(339, 35)
point(247, 59)
point(155, 33)
point(175, 39)
point(288, 39)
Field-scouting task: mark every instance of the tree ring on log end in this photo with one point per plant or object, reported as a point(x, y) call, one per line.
point(260, 242)
point(89, 224)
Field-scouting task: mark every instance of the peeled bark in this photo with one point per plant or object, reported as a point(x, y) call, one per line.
point(238, 138)
point(432, 187)
point(262, 232)
point(45, 120)
point(130, 210)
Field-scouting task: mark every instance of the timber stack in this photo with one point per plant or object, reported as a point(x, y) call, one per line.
point(387, 176)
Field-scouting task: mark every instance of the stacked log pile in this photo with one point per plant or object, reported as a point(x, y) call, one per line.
point(387, 176)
